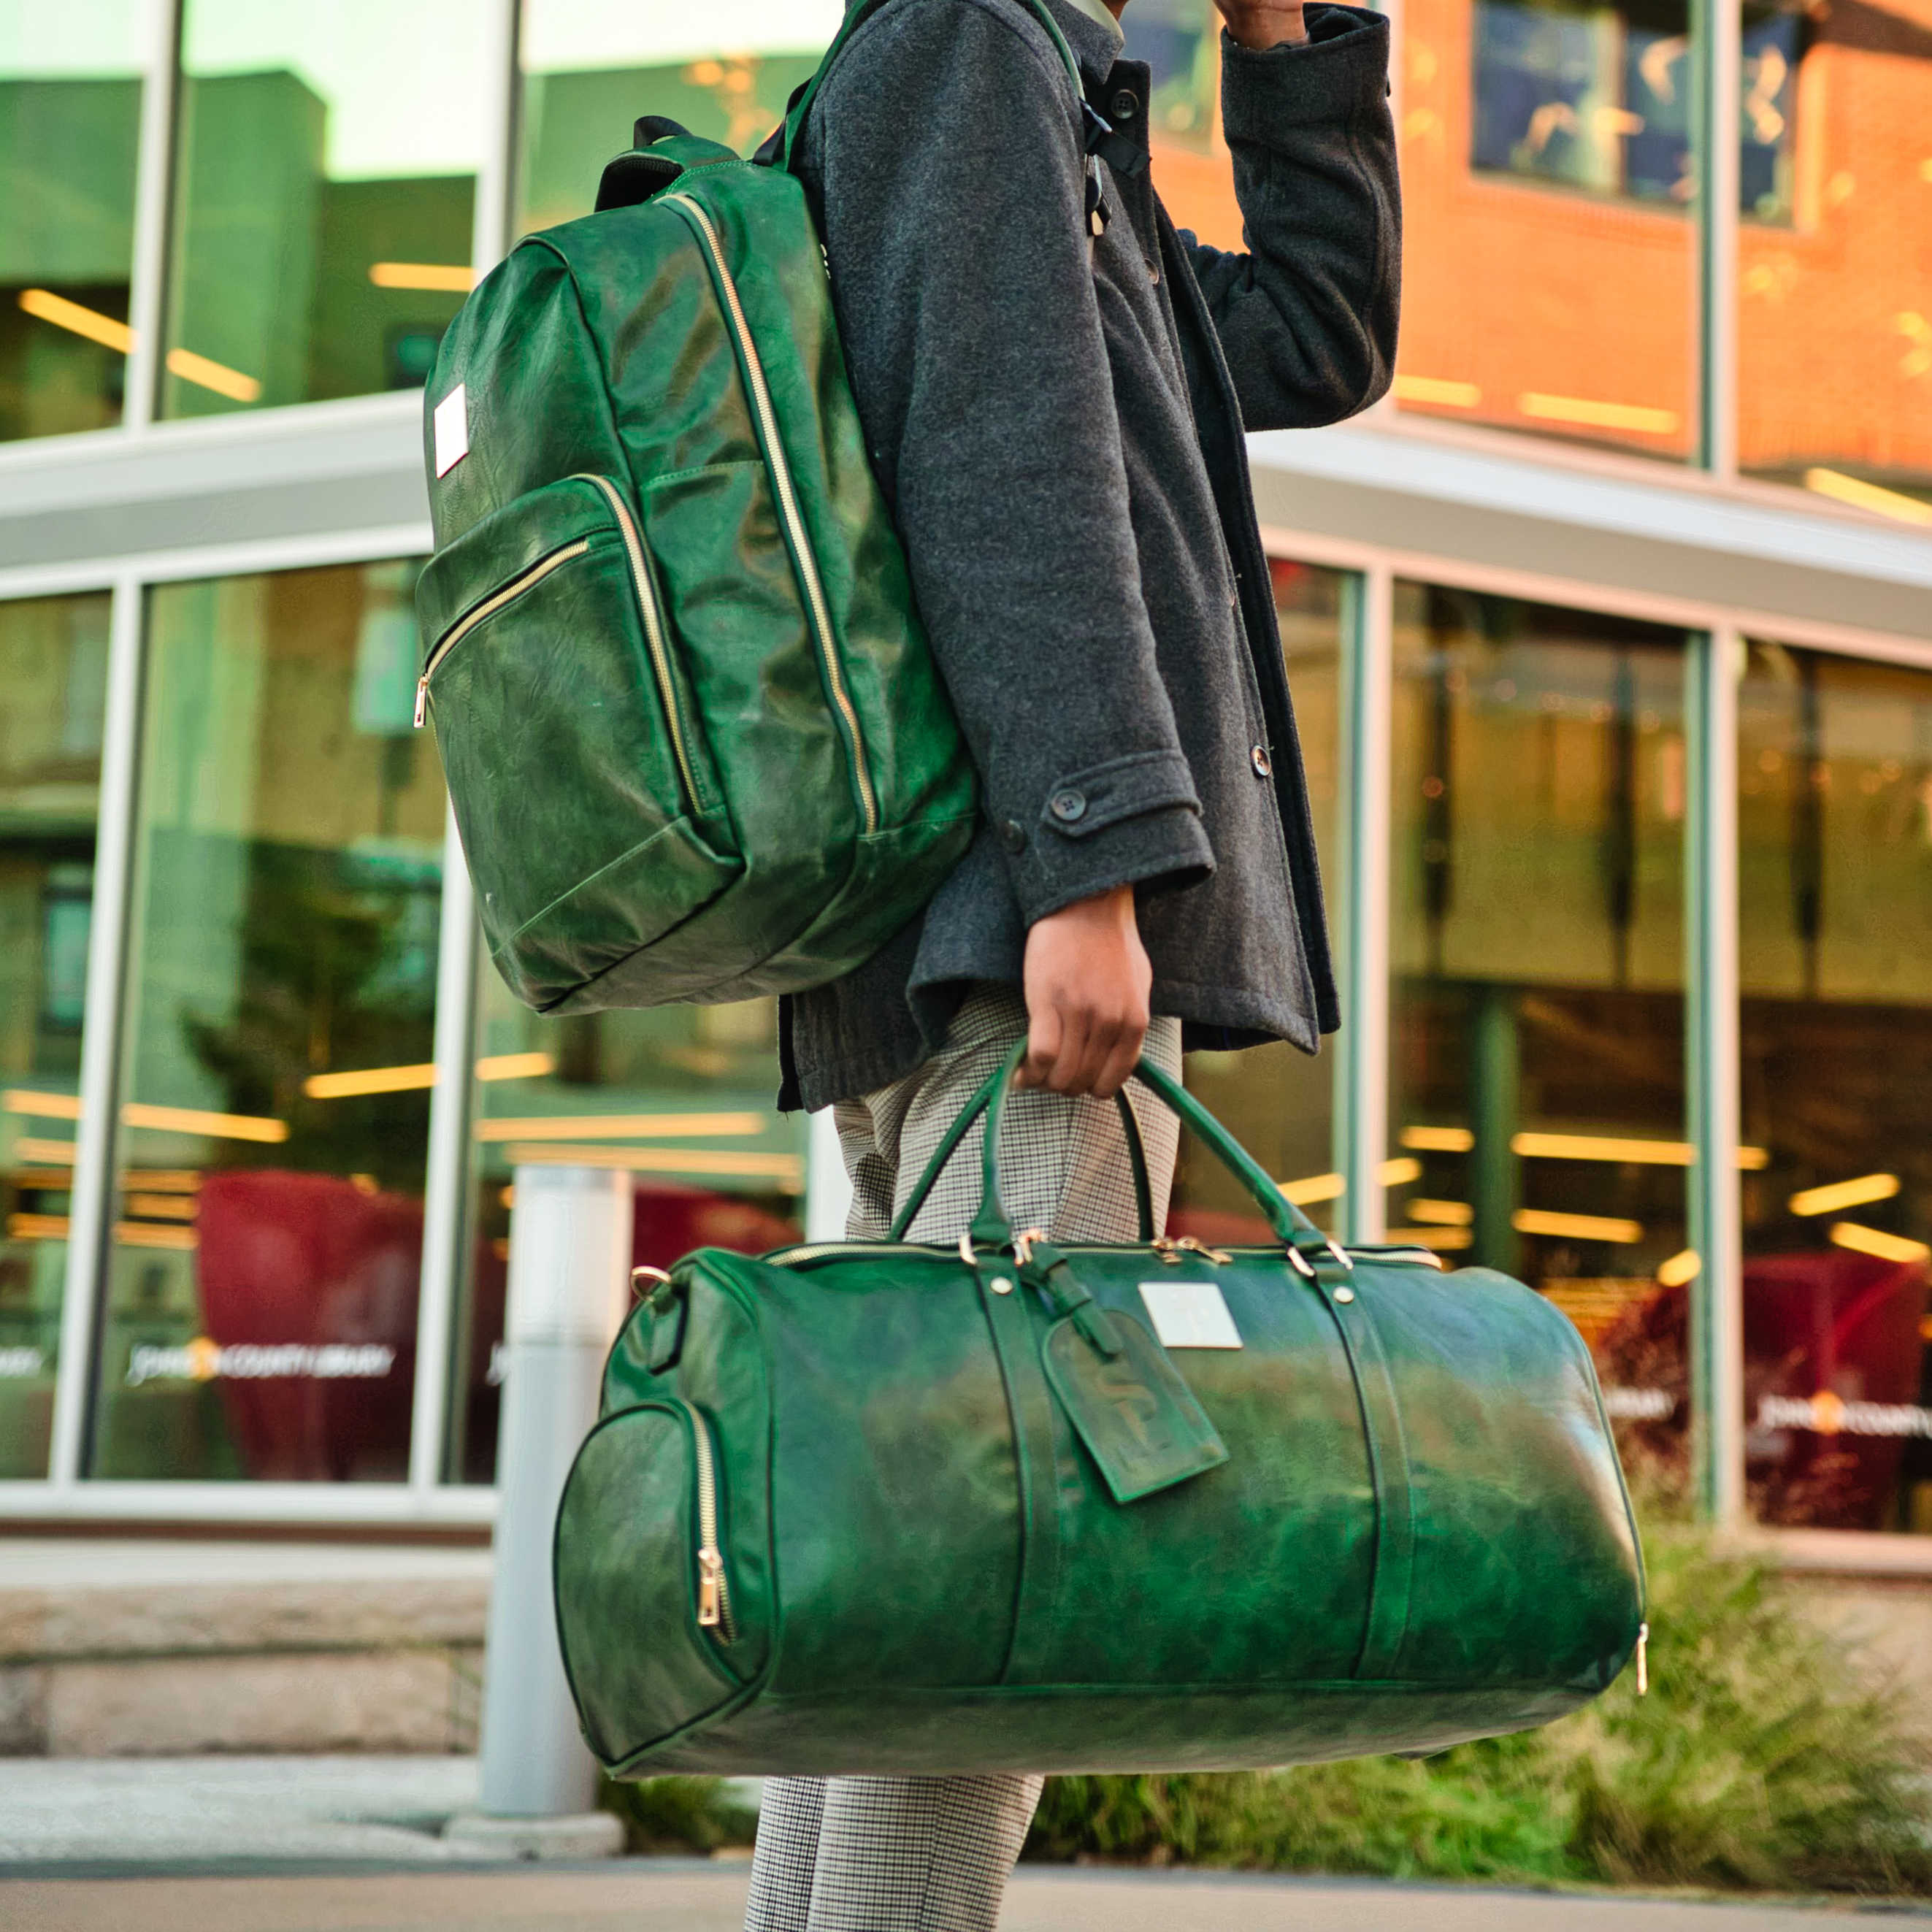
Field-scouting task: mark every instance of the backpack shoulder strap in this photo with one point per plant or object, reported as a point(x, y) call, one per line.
point(779, 151)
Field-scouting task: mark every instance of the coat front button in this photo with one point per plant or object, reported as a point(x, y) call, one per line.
point(1013, 836)
point(1263, 764)
point(1067, 805)
point(1125, 105)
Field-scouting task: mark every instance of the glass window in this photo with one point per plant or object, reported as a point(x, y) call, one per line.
point(325, 174)
point(1834, 319)
point(1835, 875)
point(1279, 1102)
point(592, 68)
point(1549, 272)
point(679, 1097)
point(260, 1314)
point(1537, 1097)
point(70, 126)
point(53, 663)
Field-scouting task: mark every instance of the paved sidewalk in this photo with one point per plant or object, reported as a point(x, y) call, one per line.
point(642, 1895)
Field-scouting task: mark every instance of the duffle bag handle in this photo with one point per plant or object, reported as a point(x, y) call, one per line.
point(977, 1106)
point(991, 1227)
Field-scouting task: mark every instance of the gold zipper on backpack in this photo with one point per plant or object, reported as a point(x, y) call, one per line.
point(654, 629)
point(714, 1587)
point(808, 565)
point(455, 634)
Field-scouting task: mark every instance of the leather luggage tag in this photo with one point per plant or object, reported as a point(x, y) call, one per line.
point(1139, 1421)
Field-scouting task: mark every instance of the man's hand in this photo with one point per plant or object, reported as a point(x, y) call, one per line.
point(1262, 24)
point(1088, 981)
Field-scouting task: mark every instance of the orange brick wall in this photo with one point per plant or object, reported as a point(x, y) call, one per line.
point(1514, 290)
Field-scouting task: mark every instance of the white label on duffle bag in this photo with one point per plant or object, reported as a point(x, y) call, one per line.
point(1190, 1315)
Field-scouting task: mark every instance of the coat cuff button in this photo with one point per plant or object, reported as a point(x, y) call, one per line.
point(1264, 765)
point(1068, 805)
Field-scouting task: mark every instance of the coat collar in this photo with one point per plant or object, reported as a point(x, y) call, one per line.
point(1093, 35)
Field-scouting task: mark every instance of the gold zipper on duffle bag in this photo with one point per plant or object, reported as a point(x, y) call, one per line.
point(818, 611)
point(714, 1587)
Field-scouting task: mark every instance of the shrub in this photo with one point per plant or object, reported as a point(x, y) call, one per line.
point(696, 1815)
point(1761, 1758)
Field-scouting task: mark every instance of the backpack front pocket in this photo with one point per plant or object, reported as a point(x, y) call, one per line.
point(584, 790)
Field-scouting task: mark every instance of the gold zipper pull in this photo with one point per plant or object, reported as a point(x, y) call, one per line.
point(422, 700)
point(1194, 1246)
point(1169, 1251)
point(1643, 1660)
point(710, 1588)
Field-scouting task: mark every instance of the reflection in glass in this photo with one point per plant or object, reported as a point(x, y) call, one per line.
point(326, 171)
point(53, 663)
point(1835, 321)
point(1278, 1101)
point(70, 124)
point(678, 1097)
point(261, 1303)
point(1537, 1021)
point(590, 70)
point(1835, 873)
point(1549, 280)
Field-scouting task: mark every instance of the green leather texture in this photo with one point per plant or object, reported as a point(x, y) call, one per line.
point(696, 745)
point(1420, 1533)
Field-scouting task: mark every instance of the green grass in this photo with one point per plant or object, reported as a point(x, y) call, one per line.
point(1761, 1758)
point(692, 1815)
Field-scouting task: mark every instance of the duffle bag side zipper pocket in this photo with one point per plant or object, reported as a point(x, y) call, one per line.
point(462, 628)
point(714, 1580)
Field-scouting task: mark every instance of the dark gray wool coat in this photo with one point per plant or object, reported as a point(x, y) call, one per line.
point(1058, 427)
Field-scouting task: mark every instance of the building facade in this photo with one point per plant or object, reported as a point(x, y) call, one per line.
point(1610, 634)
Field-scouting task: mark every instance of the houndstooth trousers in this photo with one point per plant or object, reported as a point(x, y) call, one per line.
point(933, 1854)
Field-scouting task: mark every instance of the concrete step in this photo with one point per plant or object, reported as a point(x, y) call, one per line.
point(122, 1648)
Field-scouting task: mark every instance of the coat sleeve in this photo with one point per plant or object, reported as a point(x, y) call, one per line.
point(1307, 317)
point(954, 217)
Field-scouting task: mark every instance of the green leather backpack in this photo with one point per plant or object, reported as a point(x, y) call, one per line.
point(1019, 1505)
point(696, 745)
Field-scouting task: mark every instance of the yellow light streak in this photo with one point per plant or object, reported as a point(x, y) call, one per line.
point(1576, 1227)
point(1594, 415)
point(206, 373)
point(1685, 1266)
point(515, 1066)
point(145, 1235)
point(45, 306)
point(1840, 1194)
point(59, 1153)
point(202, 371)
point(1863, 1240)
point(1438, 1140)
point(1312, 1188)
point(45, 1106)
point(1442, 1213)
point(1864, 496)
point(37, 1227)
point(215, 1126)
point(163, 1207)
point(619, 1126)
point(1438, 390)
point(56, 1179)
point(445, 277)
point(162, 1180)
point(1621, 1151)
point(787, 1170)
point(353, 1085)
point(1399, 1173)
point(1447, 1240)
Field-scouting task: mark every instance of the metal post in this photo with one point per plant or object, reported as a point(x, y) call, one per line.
point(570, 1254)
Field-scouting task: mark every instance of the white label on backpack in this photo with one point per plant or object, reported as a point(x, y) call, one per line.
point(1190, 1314)
point(452, 430)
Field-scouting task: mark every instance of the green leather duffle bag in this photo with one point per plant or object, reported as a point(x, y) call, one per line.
point(1022, 1505)
point(696, 744)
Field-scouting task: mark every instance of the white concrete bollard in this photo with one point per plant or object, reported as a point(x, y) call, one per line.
point(569, 1286)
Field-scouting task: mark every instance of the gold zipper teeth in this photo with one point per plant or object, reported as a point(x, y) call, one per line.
point(710, 1558)
point(654, 633)
point(815, 590)
point(515, 588)
point(818, 1250)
